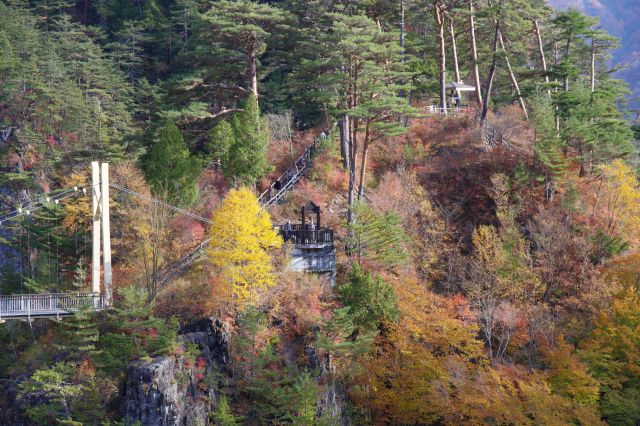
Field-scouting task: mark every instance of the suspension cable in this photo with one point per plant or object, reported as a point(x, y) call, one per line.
point(163, 203)
point(29, 208)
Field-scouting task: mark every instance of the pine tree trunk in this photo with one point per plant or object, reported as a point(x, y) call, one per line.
point(363, 164)
point(512, 76)
point(492, 74)
point(402, 29)
point(344, 141)
point(555, 90)
point(593, 65)
point(474, 53)
point(455, 50)
point(566, 59)
point(352, 170)
point(543, 61)
point(437, 7)
point(253, 71)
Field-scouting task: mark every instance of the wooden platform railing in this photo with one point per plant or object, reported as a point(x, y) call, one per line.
point(305, 236)
point(50, 304)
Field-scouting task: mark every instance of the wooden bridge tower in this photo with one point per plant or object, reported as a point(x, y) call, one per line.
point(101, 225)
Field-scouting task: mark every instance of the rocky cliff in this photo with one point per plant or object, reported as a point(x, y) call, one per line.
point(178, 390)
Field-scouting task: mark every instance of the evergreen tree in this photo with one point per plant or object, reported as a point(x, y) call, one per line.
point(59, 390)
point(79, 335)
point(241, 146)
point(370, 301)
point(223, 416)
point(593, 124)
point(171, 168)
point(548, 146)
point(245, 26)
point(127, 50)
point(377, 237)
point(135, 332)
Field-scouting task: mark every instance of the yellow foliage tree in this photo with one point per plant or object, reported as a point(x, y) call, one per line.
point(429, 368)
point(622, 199)
point(241, 237)
point(78, 209)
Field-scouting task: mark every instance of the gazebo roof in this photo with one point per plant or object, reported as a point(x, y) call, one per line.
point(312, 207)
point(459, 86)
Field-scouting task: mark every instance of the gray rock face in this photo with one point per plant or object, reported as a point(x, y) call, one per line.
point(172, 390)
point(332, 395)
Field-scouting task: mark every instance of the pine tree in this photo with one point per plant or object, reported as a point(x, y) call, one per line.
point(171, 168)
point(548, 146)
point(79, 335)
point(593, 124)
point(221, 139)
point(241, 145)
point(135, 332)
point(357, 69)
point(223, 416)
point(377, 237)
point(573, 26)
point(246, 27)
point(128, 49)
point(58, 388)
point(370, 301)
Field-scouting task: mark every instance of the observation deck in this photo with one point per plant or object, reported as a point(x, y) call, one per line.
point(313, 249)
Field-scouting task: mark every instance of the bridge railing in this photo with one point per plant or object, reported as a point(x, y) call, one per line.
point(279, 187)
point(50, 303)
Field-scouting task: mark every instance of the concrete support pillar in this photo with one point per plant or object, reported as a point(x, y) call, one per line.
point(95, 252)
point(106, 231)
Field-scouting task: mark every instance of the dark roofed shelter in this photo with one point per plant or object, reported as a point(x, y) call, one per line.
point(456, 88)
point(310, 207)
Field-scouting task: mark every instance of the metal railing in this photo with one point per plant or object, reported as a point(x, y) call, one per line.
point(306, 236)
point(50, 304)
point(279, 187)
point(450, 110)
point(492, 136)
point(176, 268)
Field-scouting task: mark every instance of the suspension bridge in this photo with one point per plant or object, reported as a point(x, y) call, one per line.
point(59, 305)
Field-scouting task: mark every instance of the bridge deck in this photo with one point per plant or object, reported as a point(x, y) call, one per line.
point(50, 305)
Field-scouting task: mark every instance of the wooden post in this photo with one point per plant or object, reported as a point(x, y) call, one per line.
point(106, 232)
point(95, 252)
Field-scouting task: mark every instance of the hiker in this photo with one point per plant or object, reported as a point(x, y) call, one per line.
point(288, 229)
point(312, 228)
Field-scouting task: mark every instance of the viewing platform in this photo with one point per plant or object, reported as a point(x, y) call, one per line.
point(313, 249)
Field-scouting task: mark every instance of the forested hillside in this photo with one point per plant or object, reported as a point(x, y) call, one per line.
point(469, 246)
